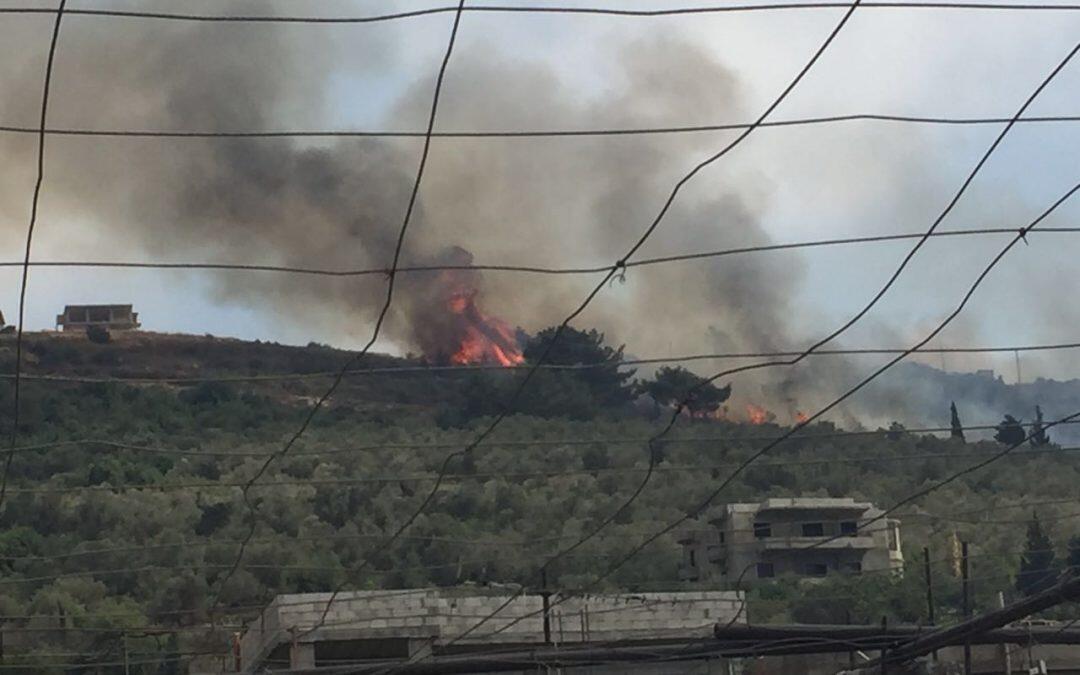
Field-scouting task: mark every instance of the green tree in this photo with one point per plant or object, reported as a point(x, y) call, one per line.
point(606, 379)
point(957, 427)
point(896, 431)
point(1038, 569)
point(672, 386)
point(1074, 555)
point(1010, 431)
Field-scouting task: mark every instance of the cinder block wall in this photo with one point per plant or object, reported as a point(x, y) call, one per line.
point(446, 614)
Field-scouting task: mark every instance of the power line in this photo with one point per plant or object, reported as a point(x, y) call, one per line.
point(520, 269)
point(534, 133)
point(903, 265)
point(469, 368)
point(954, 476)
point(513, 475)
point(877, 297)
point(594, 11)
point(114, 445)
point(498, 543)
point(386, 303)
point(617, 268)
point(223, 566)
point(29, 241)
point(1021, 235)
point(746, 463)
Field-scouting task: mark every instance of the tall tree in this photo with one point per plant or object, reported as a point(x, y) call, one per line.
point(957, 428)
point(606, 379)
point(1073, 562)
point(1038, 431)
point(1038, 568)
point(672, 386)
point(1010, 431)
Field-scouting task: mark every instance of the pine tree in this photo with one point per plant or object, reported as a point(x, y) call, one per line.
point(1074, 555)
point(1010, 431)
point(957, 428)
point(1038, 569)
point(1038, 431)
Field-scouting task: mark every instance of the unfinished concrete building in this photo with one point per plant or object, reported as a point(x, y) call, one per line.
point(299, 632)
point(109, 317)
point(805, 537)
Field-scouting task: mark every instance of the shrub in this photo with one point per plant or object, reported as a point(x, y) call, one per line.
point(98, 335)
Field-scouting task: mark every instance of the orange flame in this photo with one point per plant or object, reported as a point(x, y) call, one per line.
point(801, 417)
point(486, 339)
point(755, 414)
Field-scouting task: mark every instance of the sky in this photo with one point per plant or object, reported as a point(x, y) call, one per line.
point(801, 183)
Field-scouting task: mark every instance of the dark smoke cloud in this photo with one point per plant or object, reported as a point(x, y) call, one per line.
point(340, 203)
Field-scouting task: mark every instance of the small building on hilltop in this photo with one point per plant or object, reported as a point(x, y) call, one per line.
point(805, 537)
point(109, 317)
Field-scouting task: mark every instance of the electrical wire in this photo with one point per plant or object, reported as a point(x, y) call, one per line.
point(536, 133)
point(746, 463)
point(43, 132)
point(1056, 451)
point(502, 542)
point(941, 326)
point(386, 303)
point(618, 267)
point(525, 269)
point(550, 9)
point(509, 443)
point(877, 297)
point(469, 368)
point(24, 281)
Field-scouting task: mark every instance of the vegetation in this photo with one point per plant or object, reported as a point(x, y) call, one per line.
point(1010, 431)
point(679, 387)
point(957, 429)
point(1038, 567)
point(124, 506)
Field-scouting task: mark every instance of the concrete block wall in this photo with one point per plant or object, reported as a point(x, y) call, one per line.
point(446, 614)
point(643, 615)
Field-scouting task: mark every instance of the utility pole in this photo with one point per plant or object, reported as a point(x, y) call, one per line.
point(127, 665)
point(884, 651)
point(1019, 380)
point(929, 586)
point(1006, 655)
point(966, 572)
point(545, 594)
point(930, 618)
point(978, 629)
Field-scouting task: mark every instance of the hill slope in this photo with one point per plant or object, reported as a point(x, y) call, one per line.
point(125, 503)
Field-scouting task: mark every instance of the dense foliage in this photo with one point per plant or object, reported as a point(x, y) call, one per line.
point(124, 505)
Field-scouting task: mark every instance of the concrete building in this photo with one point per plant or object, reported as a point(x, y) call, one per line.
point(109, 317)
point(744, 542)
point(402, 624)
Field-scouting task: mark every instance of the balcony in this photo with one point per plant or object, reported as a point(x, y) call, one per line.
point(824, 543)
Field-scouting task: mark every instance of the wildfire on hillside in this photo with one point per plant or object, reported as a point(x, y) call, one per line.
point(483, 339)
point(448, 324)
point(756, 414)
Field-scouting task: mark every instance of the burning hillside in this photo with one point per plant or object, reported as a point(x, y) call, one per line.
point(450, 327)
point(480, 338)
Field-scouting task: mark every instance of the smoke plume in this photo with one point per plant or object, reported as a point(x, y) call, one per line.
point(339, 203)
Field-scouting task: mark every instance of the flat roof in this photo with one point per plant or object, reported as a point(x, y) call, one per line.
point(69, 307)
